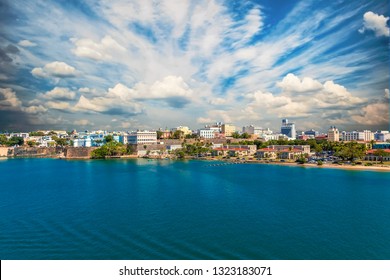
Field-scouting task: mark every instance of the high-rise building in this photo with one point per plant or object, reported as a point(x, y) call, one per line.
point(333, 134)
point(288, 129)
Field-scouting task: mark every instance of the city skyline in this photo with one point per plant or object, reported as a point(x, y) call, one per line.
point(121, 65)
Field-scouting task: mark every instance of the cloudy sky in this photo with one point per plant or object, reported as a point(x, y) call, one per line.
point(128, 64)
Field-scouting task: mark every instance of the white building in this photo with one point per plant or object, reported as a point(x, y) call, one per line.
point(207, 133)
point(382, 135)
point(142, 137)
point(364, 135)
point(333, 134)
point(83, 142)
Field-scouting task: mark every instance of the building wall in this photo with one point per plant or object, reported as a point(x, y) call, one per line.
point(228, 129)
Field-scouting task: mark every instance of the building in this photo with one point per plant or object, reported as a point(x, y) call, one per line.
point(82, 142)
point(234, 150)
point(283, 151)
point(228, 129)
point(142, 137)
point(372, 156)
point(312, 133)
point(333, 134)
point(184, 129)
point(288, 129)
point(381, 146)
point(364, 135)
point(382, 135)
point(207, 133)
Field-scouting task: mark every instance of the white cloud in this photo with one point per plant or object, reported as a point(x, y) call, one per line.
point(35, 109)
point(59, 93)
point(59, 105)
point(376, 23)
point(83, 122)
point(9, 100)
point(373, 114)
point(292, 83)
point(27, 43)
point(103, 50)
point(55, 69)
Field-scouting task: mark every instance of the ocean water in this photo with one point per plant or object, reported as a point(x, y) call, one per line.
point(151, 209)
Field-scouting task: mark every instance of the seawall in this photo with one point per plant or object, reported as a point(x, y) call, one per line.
point(78, 152)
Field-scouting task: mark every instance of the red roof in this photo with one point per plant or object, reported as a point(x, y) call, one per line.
point(373, 151)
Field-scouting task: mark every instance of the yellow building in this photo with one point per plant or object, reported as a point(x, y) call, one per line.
point(333, 134)
point(228, 129)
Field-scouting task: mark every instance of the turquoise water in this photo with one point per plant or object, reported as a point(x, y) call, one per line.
point(140, 209)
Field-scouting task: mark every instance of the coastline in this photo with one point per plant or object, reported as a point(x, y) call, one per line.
point(333, 166)
point(382, 168)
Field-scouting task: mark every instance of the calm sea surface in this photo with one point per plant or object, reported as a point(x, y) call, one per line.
point(140, 209)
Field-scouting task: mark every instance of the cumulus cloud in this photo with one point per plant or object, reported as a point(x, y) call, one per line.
point(35, 109)
point(172, 90)
point(109, 104)
point(373, 114)
point(104, 50)
point(376, 23)
point(27, 43)
point(292, 83)
point(55, 69)
point(59, 105)
point(301, 98)
point(9, 100)
point(59, 93)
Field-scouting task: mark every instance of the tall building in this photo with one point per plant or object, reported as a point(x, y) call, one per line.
point(333, 134)
point(288, 129)
point(228, 129)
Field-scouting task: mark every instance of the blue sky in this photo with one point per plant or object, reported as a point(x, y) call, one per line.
point(122, 65)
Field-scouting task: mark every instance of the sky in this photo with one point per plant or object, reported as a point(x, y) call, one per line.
point(140, 64)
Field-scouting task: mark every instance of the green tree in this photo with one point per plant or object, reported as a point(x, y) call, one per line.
point(159, 134)
point(108, 138)
point(15, 140)
point(3, 139)
point(37, 133)
point(178, 134)
point(32, 143)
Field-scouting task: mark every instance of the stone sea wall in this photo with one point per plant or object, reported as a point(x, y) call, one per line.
point(78, 152)
point(37, 152)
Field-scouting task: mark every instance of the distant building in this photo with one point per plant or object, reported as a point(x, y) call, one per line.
point(142, 137)
point(312, 133)
point(83, 142)
point(382, 135)
point(288, 129)
point(184, 129)
point(333, 134)
point(283, 151)
point(228, 129)
point(364, 135)
point(208, 133)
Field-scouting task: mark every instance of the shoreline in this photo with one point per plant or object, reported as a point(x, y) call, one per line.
point(332, 166)
point(294, 164)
